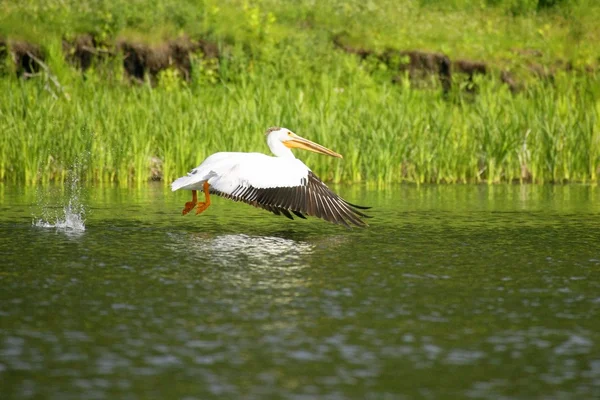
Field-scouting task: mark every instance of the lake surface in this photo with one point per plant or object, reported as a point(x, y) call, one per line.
point(480, 292)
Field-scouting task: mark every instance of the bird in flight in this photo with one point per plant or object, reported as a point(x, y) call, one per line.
point(281, 184)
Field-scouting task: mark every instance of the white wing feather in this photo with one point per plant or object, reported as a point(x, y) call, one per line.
point(227, 171)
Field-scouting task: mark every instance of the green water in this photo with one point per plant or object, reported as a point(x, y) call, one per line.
point(452, 292)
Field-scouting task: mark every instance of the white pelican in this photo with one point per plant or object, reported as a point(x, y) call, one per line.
point(280, 184)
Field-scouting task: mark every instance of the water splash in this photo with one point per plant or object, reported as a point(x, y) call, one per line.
point(72, 218)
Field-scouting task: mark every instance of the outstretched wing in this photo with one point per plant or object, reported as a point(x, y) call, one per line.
point(310, 197)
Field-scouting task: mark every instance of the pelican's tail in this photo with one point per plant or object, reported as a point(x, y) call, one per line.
point(194, 180)
point(186, 182)
point(179, 183)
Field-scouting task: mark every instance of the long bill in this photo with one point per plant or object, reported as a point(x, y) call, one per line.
point(298, 142)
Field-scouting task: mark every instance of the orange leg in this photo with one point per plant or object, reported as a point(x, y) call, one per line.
point(190, 204)
point(203, 205)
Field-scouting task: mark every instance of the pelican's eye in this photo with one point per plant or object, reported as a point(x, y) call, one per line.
point(289, 133)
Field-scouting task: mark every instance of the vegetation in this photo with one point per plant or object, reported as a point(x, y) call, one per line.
point(279, 66)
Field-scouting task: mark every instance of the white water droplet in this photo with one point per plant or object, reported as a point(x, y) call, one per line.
point(73, 220)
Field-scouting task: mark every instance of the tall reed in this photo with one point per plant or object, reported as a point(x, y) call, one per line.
point(387, 133)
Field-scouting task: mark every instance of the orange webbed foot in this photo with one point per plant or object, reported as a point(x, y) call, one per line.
point(202, 206)
point(189, 206)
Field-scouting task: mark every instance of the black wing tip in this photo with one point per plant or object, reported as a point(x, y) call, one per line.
point(351, 223)
point(298, 214)
point(286, 213)
point(356, 206)
point(360, 214)
point(364, 215)
point(362, 226)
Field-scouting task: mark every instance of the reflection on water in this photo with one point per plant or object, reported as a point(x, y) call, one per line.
point(253, 251)
point(247, 261)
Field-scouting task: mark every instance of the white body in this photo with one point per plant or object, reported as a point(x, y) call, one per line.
point(227, 171)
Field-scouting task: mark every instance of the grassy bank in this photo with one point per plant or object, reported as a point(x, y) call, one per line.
point(280, 68)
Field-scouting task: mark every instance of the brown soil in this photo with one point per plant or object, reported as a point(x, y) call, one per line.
point(140, 59)
point(362, 53)
point(84, 50)
point(3, 48)
point(548, 72)
point(134, 59)
point(507, 78)
point(470, 69)
point(3, 55)
point(419, 64)
point(24, 56)
point(542, 72)
point(423, 64)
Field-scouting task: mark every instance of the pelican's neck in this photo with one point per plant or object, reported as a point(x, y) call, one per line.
point(278, 148)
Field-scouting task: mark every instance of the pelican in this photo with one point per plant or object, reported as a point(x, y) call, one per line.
point(282, 184)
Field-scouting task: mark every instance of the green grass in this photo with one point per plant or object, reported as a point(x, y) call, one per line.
point(280, 68)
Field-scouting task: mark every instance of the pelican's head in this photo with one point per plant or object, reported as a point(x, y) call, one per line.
point(292, 141)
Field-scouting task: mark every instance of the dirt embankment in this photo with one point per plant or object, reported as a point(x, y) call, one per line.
point(139, 60)
point(3, 48)
point(419, 64)
point(422, 65)
point(27, 58)
point(84, 50)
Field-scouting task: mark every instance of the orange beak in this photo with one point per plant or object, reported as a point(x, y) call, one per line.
point(297, 142)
